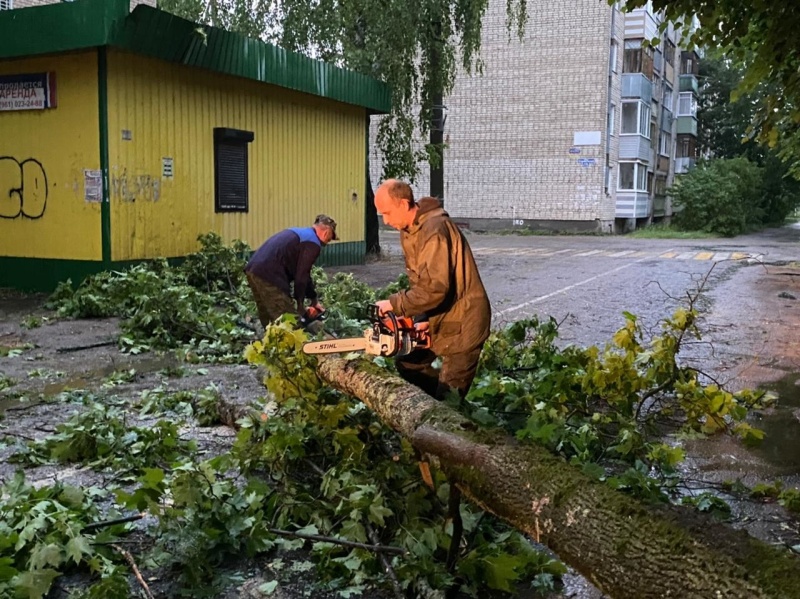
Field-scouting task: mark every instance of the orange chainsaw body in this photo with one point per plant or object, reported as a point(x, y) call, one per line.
point(390, 335)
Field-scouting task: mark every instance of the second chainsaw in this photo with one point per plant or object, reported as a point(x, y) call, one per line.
point(390, 335)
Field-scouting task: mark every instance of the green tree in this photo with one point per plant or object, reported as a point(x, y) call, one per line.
point(720, 196)
point(722, 133)
point(723, 123)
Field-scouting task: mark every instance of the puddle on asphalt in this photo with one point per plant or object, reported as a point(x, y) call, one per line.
point(88, 380)
point(781, 426)
point(82, 381)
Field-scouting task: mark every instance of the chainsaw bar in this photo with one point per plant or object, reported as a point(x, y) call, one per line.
point(335, 346)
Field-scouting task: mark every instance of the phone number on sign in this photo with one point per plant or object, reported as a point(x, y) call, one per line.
point(11, 104)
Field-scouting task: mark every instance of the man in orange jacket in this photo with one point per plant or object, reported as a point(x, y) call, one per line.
point(446, 292)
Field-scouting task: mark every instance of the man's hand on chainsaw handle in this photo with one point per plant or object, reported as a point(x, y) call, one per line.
point(314, 308)
point(384, 306)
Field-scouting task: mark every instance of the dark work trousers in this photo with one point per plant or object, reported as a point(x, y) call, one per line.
point(273, 303)
point(458, 371)
point(270, 301)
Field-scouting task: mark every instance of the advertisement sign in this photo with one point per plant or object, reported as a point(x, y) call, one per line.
point(28, 91)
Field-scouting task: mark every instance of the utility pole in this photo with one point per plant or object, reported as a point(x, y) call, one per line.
point(437, 116)
point(437, 141)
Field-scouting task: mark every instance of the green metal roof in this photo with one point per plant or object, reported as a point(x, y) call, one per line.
point(151, 32)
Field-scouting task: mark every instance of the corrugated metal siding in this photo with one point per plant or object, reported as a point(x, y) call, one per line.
point(632, 205)
point(634, 147)
point(162, 35)
point(155, 33)
point(68, 26)
point(43, 211)
point(308, 157)
point(640, 23)
point(634, 24)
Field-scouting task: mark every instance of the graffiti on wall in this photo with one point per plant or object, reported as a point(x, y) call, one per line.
point(136, 188)
point(23, 188)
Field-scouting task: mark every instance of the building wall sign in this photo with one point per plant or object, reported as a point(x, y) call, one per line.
point(28, 91)
point(586, 138)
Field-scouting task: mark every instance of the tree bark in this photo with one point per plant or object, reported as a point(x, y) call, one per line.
point(628, 549)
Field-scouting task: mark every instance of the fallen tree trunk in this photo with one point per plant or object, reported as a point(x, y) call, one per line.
point(628, 549)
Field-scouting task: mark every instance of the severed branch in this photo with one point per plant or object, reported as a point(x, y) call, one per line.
point(301, 535)
point(4, 433)
point(64, 350)
point(454, 509)
point(398, 592)
point(104, 523)
point(129, 558)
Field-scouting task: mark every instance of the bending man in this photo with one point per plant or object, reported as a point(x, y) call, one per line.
point(284, 259)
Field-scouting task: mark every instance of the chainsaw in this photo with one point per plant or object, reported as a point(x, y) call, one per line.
point(311, 314)
point(390, 335)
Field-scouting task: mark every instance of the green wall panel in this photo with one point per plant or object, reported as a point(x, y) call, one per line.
point(37, 274)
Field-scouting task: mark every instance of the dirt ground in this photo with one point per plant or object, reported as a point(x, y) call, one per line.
point(755, 343)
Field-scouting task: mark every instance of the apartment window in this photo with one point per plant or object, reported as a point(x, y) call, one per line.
point(612, 112)
point(685, 149)
point(612, 58)
point(637, 59)
point(636, 118)
point(669, 53)
point(653, 138)
point(687, 104)
point(686, 146)
point(231, 169)
point(689, 63)
point(667, 97)
point(632, 176)
point(658, 85)
point(632, 57)
point(6, 4)
point(658, 60)
point(665, 143)
point(660, 186)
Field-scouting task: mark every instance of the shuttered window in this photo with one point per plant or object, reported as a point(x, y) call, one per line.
point(6, 4)
point(231, 169)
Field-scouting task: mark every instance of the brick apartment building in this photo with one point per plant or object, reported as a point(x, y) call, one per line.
point(579, 126)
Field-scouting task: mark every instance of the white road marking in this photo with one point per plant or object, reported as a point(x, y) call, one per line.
point(565, 289)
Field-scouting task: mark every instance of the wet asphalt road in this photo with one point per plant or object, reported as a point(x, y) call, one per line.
point(587, 282)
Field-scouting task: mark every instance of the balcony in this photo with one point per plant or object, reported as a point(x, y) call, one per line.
point(688, 83)
point(687, 125)
point(682, 165)
point(632, 204)
point(636, 85)
point(634, 147)
point(641, 23)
